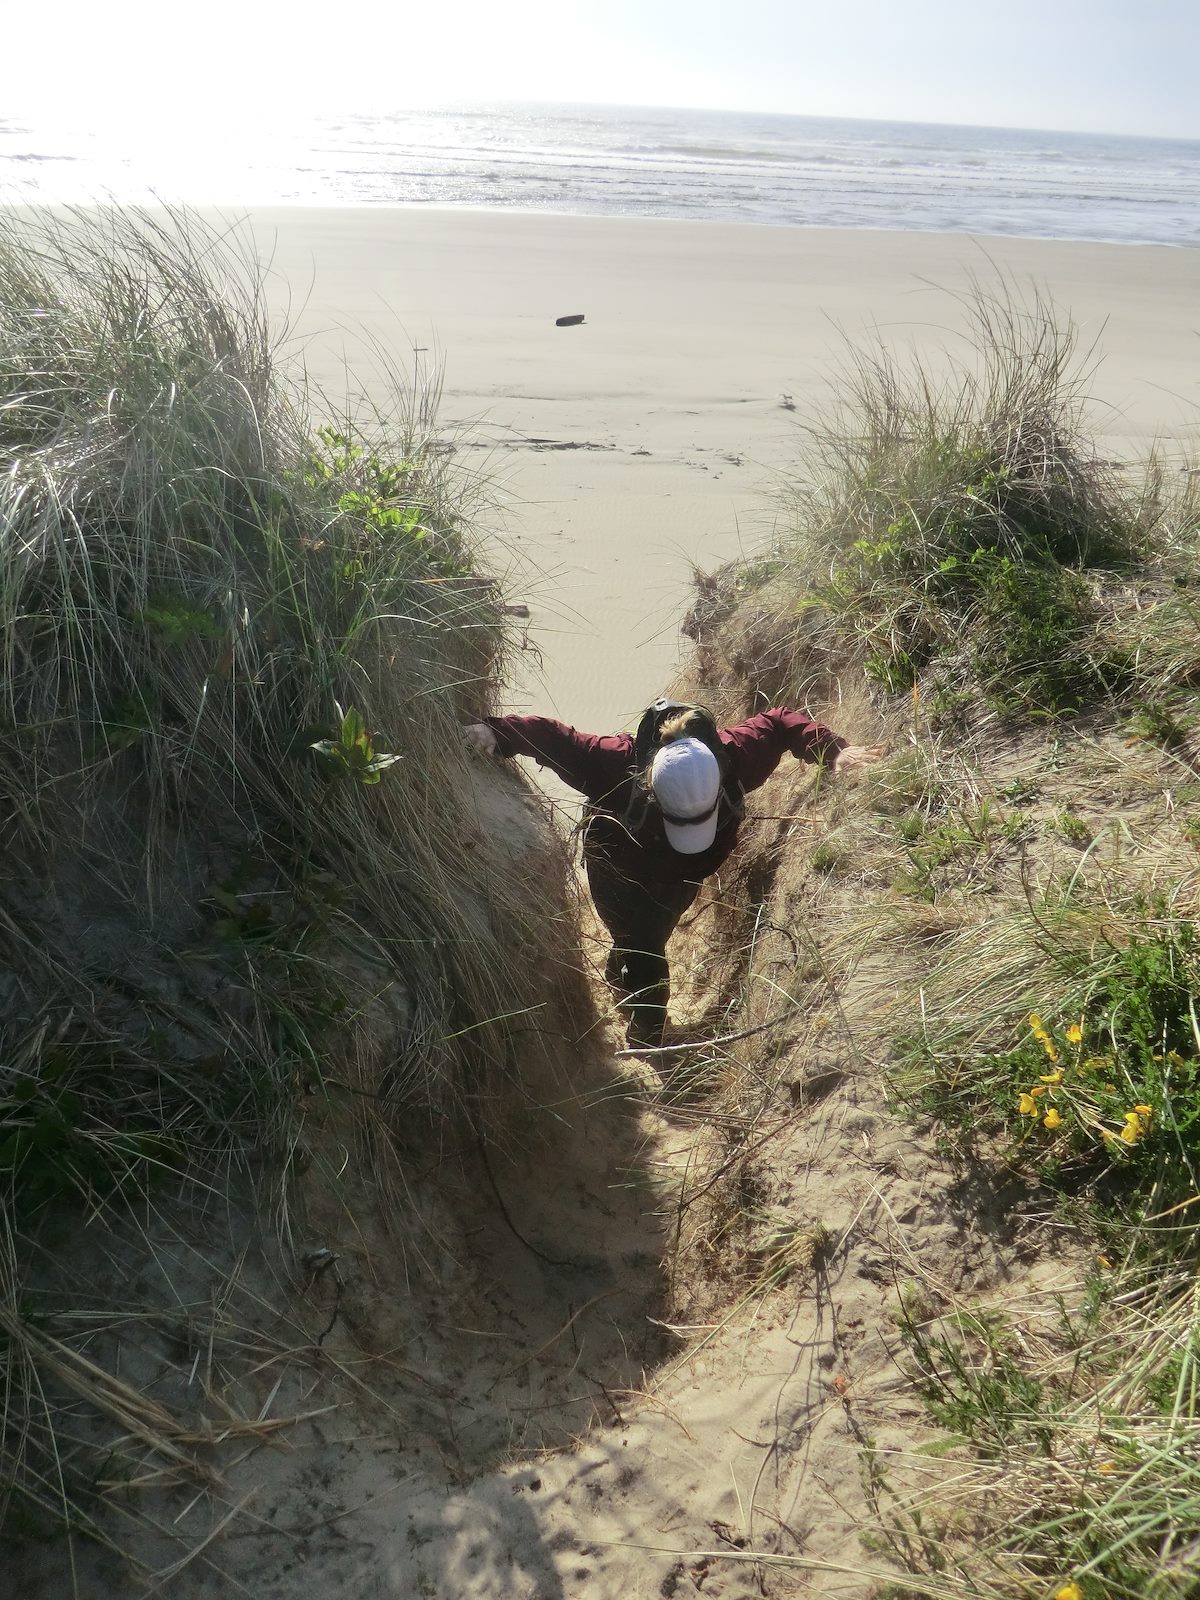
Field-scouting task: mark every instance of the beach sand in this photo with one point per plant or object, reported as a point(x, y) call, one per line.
point(652, 437)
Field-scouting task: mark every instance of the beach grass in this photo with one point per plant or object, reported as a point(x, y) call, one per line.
point(1022, 615)
point(247, 890)
point(953, 527)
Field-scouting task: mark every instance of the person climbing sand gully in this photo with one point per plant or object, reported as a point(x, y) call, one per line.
point(664, 807)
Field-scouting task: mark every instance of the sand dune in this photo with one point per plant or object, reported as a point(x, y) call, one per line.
point(626, 449)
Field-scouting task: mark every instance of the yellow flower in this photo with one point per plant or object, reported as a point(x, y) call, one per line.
point(1027, 1106)
point(1036, 1090)
point(1052, 1119)
point(1052, 1077)
point(1069, 1591)
point(1137, 1124)
point(1037, 1028)
point(1075, 1033)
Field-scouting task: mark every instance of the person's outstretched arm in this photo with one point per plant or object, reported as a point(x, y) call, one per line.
point(590, 762)
point(760, 743)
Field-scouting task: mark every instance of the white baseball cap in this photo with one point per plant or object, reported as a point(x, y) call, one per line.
point(686, 779)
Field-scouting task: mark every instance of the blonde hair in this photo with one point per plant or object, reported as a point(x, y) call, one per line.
point(684, 726)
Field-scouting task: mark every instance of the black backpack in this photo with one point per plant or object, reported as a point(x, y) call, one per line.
point(732, 802)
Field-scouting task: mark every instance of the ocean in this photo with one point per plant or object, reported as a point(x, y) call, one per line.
point(640, 162)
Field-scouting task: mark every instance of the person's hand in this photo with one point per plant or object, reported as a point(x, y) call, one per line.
point(855, 757)
point(480, 738)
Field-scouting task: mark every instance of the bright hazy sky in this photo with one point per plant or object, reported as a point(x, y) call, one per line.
point(168, 67)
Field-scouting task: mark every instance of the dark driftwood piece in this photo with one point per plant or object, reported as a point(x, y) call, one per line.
point(568, 322)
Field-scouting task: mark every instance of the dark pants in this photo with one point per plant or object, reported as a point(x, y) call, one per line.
point(640, 909)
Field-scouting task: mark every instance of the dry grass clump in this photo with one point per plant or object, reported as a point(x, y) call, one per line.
point(1068, 1427)
point(953, 527)
point(245, 871)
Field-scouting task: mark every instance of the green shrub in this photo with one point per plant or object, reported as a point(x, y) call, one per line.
point(1101, 1085)
point(973, 1386)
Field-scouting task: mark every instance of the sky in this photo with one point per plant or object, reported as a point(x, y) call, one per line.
point(173, 69)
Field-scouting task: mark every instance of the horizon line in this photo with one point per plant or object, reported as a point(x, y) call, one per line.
point(471, 103)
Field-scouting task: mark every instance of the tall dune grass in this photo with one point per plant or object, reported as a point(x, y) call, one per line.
point(244, 872)
point(952, 525)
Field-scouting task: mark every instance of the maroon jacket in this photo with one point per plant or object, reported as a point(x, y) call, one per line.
point(601, 766)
